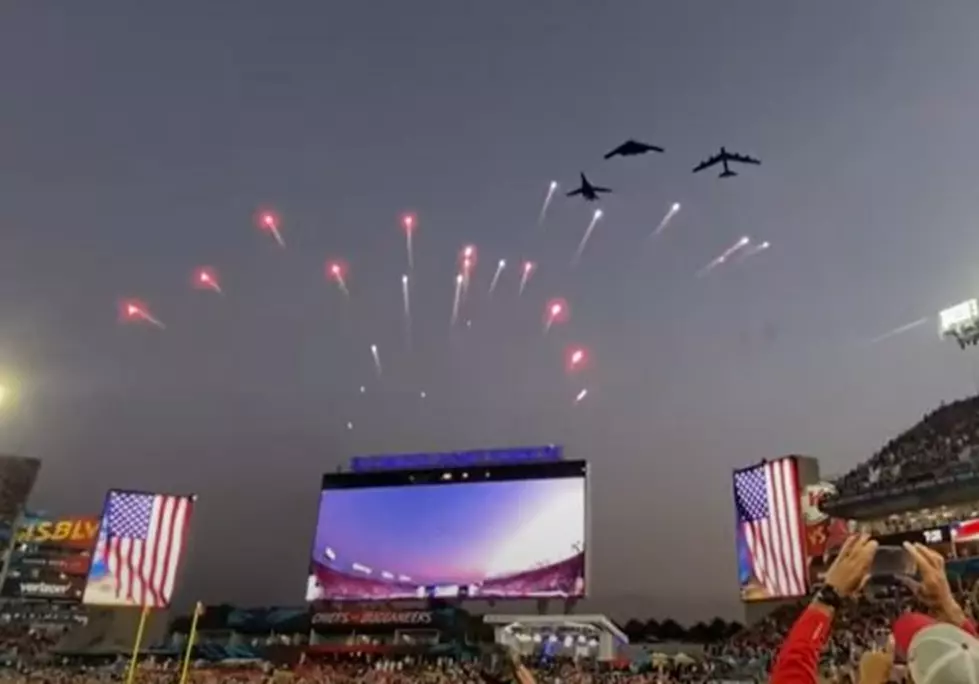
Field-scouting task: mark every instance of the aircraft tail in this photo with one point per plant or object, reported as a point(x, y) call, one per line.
point(728, 173)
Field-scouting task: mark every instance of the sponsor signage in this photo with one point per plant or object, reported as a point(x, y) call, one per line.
point(375, 617)
point(70, 565)
point(52, 588)
point(77, 533)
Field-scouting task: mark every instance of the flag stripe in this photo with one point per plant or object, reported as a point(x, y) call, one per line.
point(178, 533)
point(143, 540)
point(767, 502)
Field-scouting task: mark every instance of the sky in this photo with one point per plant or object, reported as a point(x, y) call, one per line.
point(138, 143)
point(456, 534)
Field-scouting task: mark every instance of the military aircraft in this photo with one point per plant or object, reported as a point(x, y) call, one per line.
point(588, 191)
point(724, 157)
point(631, 148)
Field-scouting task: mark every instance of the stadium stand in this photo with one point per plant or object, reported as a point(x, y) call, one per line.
point(942, 444)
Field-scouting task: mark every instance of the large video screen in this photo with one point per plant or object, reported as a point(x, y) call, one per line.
point(518, 532)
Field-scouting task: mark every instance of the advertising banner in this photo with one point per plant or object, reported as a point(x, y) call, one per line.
point(76, 563)
point(414, 618)
point(48, 586)
point(74, 533)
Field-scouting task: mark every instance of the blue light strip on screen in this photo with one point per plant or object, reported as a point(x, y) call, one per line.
point(458, 459)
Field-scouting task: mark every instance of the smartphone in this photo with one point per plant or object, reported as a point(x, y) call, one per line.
point(892, 561)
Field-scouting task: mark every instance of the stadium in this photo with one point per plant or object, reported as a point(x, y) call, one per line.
point(421, 556)
point(419, 561)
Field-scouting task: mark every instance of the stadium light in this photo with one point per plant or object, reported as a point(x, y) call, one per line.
point(961, 323)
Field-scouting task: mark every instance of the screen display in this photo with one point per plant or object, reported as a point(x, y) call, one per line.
point(771, 543)
point(503, 538)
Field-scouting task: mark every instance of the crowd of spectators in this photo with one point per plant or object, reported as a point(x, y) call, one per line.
point(942, 443)
point(860, 625)
point(362, 670)
point(562, 579)
point(22, 643)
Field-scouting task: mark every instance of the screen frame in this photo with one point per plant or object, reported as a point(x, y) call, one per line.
point(457, 476)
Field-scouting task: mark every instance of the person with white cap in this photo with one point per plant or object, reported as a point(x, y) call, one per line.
point(940, 648)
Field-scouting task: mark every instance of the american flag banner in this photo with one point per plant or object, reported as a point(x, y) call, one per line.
point(138, 553)
point(767, 500)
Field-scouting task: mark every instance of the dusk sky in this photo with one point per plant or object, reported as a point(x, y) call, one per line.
point(449, 533)
point(139, 139)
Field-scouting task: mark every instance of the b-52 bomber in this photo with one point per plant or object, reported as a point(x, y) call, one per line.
point(724, 157)
point(631, 148)
point(588, 191)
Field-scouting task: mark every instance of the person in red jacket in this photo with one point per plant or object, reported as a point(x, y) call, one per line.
point(798, 658)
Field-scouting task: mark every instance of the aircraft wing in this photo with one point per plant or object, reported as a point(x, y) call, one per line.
point(598, 188)
point(716, 159)
point(618, 151)
point(651, 148)
point(574, 192)
point(743, 158)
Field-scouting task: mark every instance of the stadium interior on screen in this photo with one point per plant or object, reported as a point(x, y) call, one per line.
point(516, 538)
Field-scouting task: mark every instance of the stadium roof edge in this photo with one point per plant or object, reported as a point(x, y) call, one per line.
point(557, 620)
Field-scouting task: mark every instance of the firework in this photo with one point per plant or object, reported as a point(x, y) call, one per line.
point(575, 359)
point(596, 217)
point(556, 311)
point(269, 222)
point(551, 189)
point(408, 222)
point(134, 311)
point(496, 275)
point(457, 298)
point(467, 262)
point(752, 250)
point(407, 304)
point(528, 270)
point(674, 209)
point(337, 272)
point(205, 278)
point(900, 330)
point(725, 255)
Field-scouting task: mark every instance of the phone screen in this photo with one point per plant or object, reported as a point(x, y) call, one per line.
point(891, 561)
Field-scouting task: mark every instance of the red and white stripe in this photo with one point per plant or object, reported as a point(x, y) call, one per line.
point(145, 570)
point(776, 542)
